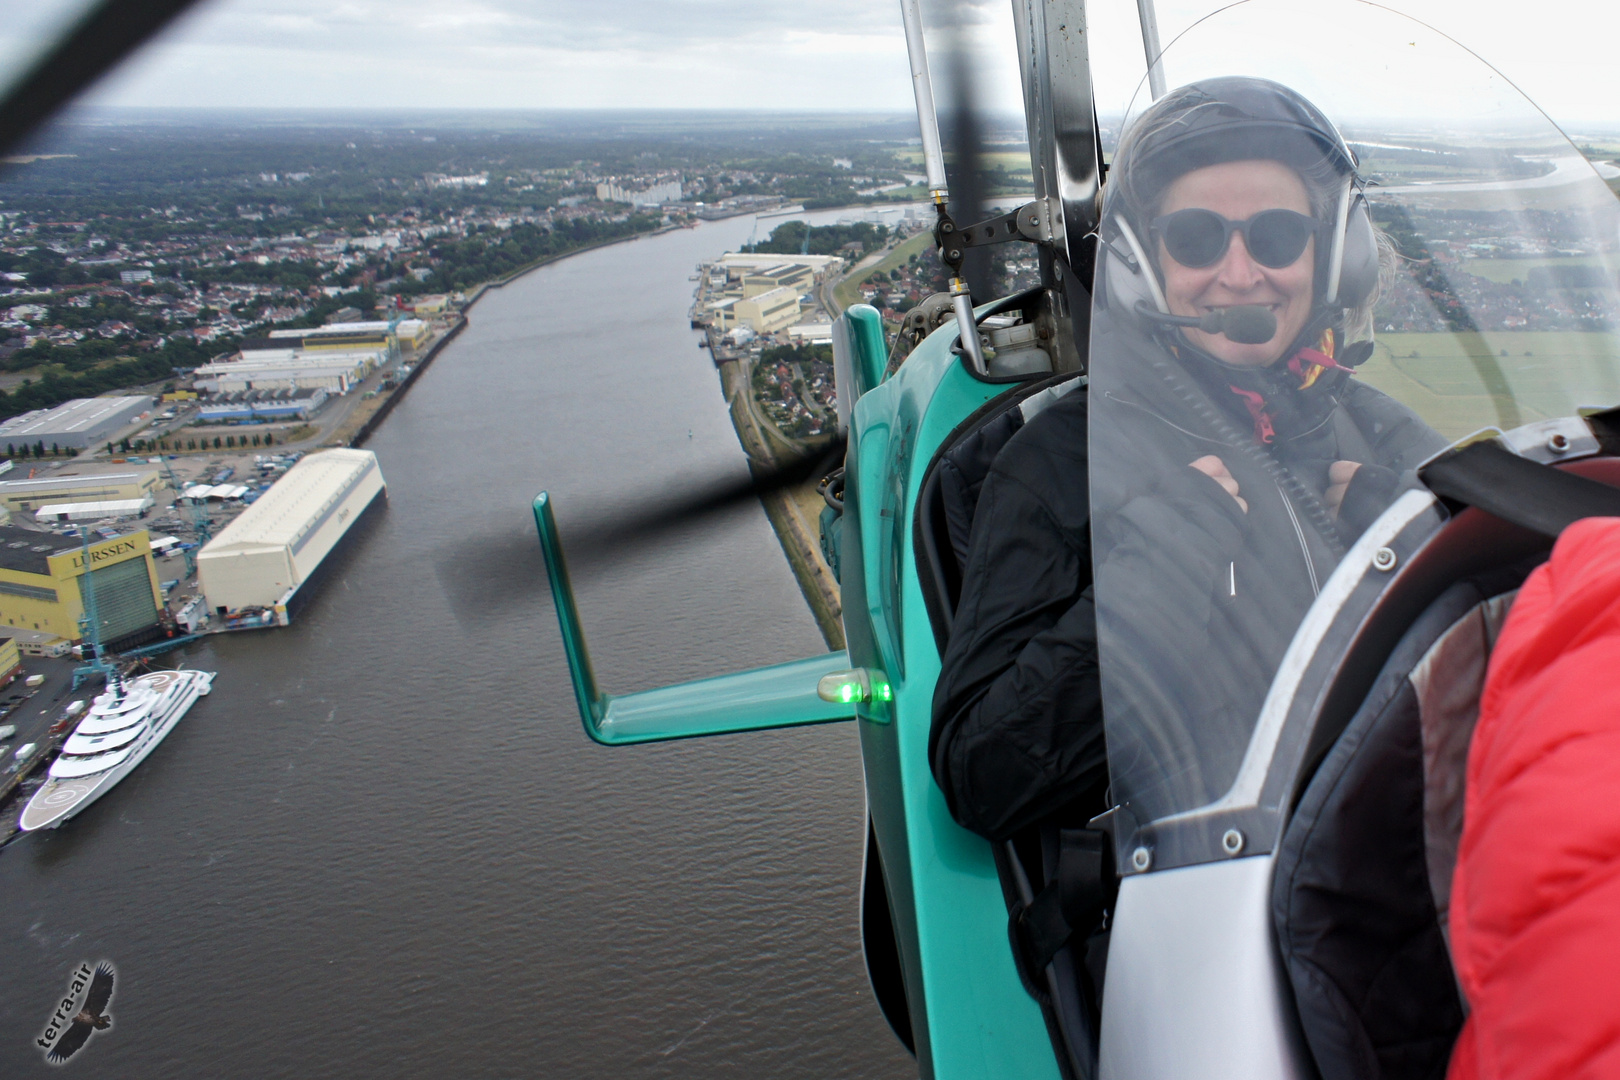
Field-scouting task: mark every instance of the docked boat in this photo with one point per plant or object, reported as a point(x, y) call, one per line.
point(125, 723)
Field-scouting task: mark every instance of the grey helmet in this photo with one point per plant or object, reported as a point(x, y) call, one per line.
point(1235, 118)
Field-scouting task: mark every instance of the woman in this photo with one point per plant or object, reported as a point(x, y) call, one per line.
point(1231, 466)
point(1232, 456)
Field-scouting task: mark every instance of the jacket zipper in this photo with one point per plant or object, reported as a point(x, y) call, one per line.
point(1299, 534)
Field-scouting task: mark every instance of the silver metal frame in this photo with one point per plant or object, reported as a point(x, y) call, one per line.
point(1149, 20)
point(1195, 985)
point(1065, 153)
point(922, 88)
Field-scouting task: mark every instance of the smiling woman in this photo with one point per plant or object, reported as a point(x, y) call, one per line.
point(1228, 476)
point(1231, 205)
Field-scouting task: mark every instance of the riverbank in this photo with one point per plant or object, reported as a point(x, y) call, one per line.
point(362, 423)
point(794, 513)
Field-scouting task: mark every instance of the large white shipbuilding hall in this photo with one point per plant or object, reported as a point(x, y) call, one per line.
point(266, 557)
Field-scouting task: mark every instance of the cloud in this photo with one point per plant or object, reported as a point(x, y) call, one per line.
point(769, 54)
point(514, 53)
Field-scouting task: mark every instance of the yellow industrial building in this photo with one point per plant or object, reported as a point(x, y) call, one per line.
point(792, 275)
point(767, 312)
point(761, 291)
point(412, 333)
point(42, 584)
point(10, 660)
point(344, 337)
point(77, 487)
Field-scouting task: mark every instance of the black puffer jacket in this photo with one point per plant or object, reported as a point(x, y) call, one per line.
point(1017, 731)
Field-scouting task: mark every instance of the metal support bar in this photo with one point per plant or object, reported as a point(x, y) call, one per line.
point(1150, 45)
point(923, 88)
point(783, 695)
point(968, 327)
point(1065, 154)
point(1032, 221)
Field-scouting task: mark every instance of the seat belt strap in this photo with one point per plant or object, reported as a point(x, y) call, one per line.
point(1073, 902)
point(1537, 497)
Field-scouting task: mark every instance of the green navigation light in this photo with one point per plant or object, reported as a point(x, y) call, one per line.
point(854, 686)
point(845, 687)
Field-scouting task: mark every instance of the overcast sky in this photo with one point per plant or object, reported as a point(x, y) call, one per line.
point(770, 54)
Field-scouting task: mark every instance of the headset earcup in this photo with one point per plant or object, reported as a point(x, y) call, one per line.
point(1358, 268)
point(1123, 287)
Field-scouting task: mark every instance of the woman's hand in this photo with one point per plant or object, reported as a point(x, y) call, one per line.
point(1214, 468)
point(1340, 473)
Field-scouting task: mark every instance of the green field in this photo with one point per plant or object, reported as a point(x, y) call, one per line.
point(1460, 383)
point(848, 291)
point(1014, 161)
point(1506, 271)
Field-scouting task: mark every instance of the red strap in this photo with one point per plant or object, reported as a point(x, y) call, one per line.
point(1320, 359)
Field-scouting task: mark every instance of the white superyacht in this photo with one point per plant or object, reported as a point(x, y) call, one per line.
point(126, 722)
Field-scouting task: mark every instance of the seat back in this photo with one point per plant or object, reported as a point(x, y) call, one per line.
point(1028, 864)
point(949, 495)
point(1364, 869)
point(1364, 866)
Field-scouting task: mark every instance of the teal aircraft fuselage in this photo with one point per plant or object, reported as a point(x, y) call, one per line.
point(964, 1008)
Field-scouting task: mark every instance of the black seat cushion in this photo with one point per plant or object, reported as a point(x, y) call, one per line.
point(1352, 901)
point(948, 497)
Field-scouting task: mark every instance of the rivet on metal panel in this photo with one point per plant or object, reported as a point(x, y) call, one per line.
point(1232, 842)
point(1141, 859)
point(1384, 559)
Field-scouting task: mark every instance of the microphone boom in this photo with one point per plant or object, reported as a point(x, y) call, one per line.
point(1246, 324)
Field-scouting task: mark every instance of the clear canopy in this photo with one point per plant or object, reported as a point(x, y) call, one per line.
point(1231, 471)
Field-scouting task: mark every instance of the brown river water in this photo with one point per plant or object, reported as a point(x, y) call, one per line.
point(384, 847)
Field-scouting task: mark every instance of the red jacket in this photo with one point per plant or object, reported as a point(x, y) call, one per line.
point(1535, 903)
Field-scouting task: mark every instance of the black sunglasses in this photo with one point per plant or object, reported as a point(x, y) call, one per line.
point(1198, 238)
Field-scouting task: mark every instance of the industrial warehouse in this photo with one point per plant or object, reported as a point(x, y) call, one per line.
point(262, 406)
point(761, 292)
point(331, 358)
point(75, 424)
point(258, 565)
point(42, 585)
point(76, 487)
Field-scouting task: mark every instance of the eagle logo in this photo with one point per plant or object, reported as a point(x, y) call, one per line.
point(91, 1018)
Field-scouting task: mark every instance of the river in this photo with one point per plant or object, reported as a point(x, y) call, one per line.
point(384, 847)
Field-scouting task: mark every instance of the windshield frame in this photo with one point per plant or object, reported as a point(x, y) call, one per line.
point(1247, 817)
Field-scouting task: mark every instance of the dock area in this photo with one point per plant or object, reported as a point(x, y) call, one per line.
point(793, 362)
point(37, 713)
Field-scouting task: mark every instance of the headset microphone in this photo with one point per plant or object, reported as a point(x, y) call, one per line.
point(1248, 324)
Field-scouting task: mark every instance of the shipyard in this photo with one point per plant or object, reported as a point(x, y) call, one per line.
point(211, 507)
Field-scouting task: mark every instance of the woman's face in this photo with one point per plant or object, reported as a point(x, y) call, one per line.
point(1238, 190)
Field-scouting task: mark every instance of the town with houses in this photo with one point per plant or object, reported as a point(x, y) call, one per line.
point(197, 338)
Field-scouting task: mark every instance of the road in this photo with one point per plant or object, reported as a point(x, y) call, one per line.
point(828, 300)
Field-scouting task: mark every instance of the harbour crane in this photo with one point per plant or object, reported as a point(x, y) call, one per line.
point(196, 515)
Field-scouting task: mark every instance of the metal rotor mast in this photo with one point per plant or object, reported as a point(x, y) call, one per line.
point(951, 249)
point(1065, 154)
